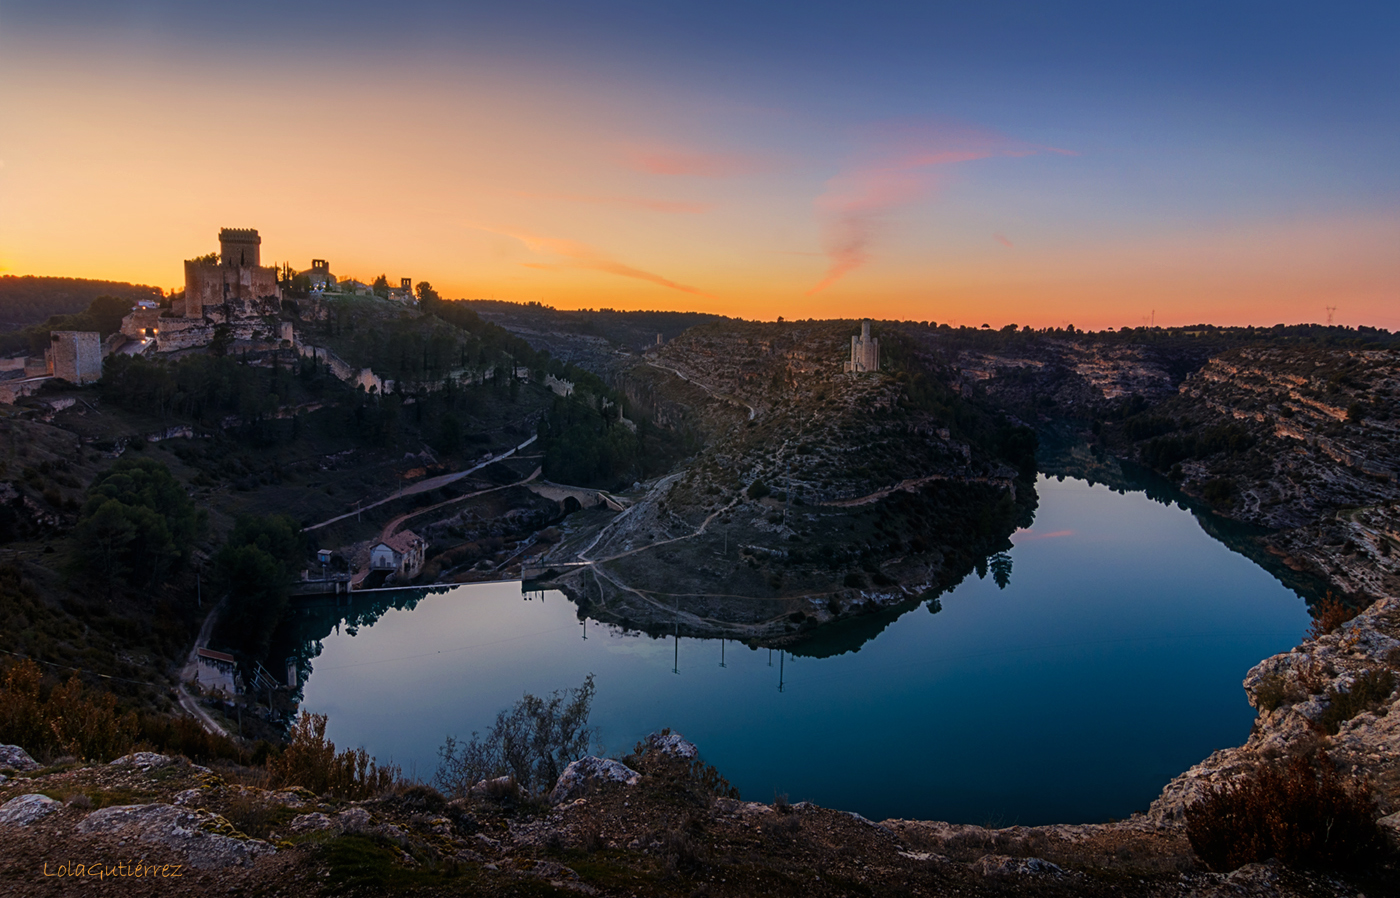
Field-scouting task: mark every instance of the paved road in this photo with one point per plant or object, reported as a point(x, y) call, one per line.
point(423, 486)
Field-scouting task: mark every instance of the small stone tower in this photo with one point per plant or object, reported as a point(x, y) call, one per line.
point(865, 352)
point(75, 356)
point(239, 247)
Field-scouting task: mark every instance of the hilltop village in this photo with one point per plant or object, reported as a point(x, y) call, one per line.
point(195, 488)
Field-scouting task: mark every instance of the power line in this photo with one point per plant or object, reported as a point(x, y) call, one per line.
point(84, 670)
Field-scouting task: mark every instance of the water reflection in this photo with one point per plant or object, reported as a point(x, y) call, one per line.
point(1111, 662)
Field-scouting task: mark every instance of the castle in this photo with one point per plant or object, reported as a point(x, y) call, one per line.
point(234, 289)
point(236, 286)
point(865, 352)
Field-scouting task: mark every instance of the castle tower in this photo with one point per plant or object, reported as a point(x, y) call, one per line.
point(239, 247)
point(865, 352)
point(75, 356)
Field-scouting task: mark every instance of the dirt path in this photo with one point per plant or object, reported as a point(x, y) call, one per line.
point(753, 412)
point(423, 486)
point(190, 672)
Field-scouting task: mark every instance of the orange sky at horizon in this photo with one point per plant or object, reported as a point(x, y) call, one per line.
point(529, 189)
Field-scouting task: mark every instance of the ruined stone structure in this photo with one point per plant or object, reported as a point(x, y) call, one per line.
point(75, 356)
point(865, 351)
point(236, 286)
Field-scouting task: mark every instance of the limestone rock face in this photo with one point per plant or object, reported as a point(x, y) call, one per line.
point(673, 744)
point(26, 809)
point(16, 758)
point(195, 834)
point(585, 774)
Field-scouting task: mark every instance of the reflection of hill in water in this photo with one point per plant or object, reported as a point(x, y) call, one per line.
point(1065, 458)
point(311, 619)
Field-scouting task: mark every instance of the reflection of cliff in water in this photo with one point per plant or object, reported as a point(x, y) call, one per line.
point(1065, 458)
point(311, 619)
point(978, 542)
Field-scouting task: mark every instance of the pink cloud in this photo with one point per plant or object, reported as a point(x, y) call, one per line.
point(582, 256)
point(670, 160)
point(624, 202)
point(1001, 238)
point(904, 164)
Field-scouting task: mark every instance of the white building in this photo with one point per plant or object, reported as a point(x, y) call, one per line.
point(401, 554)
point(865, 351)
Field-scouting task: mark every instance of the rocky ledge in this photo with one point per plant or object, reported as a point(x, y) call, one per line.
point(1335, 693)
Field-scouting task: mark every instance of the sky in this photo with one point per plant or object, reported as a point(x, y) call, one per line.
point(1044, 164)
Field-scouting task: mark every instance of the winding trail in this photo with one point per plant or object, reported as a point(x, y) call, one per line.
point(753, 412)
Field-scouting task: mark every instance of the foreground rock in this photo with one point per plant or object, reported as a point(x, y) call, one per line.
point(16, 758)
point(207, 840)
point(26, 809)
point(585, 775)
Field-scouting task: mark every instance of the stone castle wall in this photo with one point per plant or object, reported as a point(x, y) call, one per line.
point(75, 356)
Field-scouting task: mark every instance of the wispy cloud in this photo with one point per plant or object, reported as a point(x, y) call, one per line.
point(999, 237)
point(580, 256)
point(623, 202)
point(904, 164)
point(672, 160)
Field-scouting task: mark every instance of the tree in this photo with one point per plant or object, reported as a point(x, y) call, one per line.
point(532, 742)
point(137, 522)
point(103, 537)
point(381, 287)
point(428, 299)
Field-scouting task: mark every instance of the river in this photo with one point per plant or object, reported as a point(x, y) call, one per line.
point(1068, 689)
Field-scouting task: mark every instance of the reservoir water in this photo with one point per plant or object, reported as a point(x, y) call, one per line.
point(1109, 662)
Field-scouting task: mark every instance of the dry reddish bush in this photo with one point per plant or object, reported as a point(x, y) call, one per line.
point(1330, 613)
point(1300, 812)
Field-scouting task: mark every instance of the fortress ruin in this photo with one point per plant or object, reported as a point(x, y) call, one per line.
point(865, 352)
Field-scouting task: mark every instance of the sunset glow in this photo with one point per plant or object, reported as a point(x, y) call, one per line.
point(1087, 167)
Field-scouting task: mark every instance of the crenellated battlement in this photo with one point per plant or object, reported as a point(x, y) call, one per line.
point(239, 235)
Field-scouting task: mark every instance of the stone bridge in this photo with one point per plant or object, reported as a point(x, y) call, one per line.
point(583, 497)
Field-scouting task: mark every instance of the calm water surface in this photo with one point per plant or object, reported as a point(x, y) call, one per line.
point(1110, 663)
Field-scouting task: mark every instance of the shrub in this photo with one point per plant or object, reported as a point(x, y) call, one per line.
point(310, 761)
point(1370, 688)
point(1330, 613)
point(1300, 812)
point(533, 741)
point(758, 489)
point(1270, 692)
point(854, 581)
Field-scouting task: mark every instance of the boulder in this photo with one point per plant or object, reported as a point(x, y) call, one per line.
point(673, 745)
point(1001, 865)
point(1390, 825)
point(307, 823)
point(144, 760)
point(353, 820)
point(500, 787)
point(586, 774)
point(16, 758)
point(26, 809)
point(194, 834)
